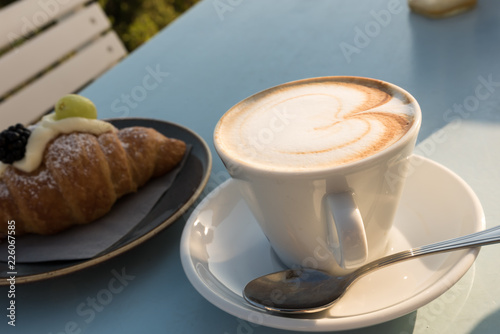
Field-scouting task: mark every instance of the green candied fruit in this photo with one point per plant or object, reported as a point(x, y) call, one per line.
point(73, 105)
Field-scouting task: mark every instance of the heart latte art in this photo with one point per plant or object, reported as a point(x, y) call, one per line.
point(315, 123)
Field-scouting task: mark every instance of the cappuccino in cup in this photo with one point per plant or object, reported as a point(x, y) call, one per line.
point(321, 164)
point(315, 124)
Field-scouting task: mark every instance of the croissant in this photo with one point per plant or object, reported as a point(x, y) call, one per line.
point(82, 176)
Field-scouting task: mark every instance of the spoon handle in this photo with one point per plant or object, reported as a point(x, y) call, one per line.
point(486, 237)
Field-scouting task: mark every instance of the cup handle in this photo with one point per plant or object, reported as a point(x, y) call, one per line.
point(346, 230)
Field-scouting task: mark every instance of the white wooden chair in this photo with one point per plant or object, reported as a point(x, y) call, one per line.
point(50, 48)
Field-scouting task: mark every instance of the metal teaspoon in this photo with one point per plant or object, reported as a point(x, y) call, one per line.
point(296, 291)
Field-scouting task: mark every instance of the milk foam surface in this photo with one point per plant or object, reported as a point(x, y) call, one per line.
point(315, 124)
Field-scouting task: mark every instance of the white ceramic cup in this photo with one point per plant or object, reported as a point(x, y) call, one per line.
point(336, 217)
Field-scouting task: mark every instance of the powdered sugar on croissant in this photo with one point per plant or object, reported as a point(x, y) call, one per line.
point(81, 176)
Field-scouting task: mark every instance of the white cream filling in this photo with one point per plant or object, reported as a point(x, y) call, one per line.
point(49, 128)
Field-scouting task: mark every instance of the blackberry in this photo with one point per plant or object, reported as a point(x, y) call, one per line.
point(13, 143)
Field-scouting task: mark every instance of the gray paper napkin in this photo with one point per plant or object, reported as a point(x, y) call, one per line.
point(86, 241)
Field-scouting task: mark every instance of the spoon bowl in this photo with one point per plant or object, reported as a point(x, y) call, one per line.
point(308, 290)
point(293, 287)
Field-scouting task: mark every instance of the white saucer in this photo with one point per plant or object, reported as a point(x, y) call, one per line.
point(222, 249)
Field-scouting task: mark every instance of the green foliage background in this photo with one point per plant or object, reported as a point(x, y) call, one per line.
point(135, 21)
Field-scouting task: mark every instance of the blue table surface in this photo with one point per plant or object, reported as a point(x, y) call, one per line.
point(222, 51)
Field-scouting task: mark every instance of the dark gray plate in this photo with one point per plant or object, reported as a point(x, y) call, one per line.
point(186, 188)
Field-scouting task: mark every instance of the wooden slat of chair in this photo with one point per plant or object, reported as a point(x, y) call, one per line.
point(28, 104)
point(34, 56)
point(23, 17)
point(75, 48)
